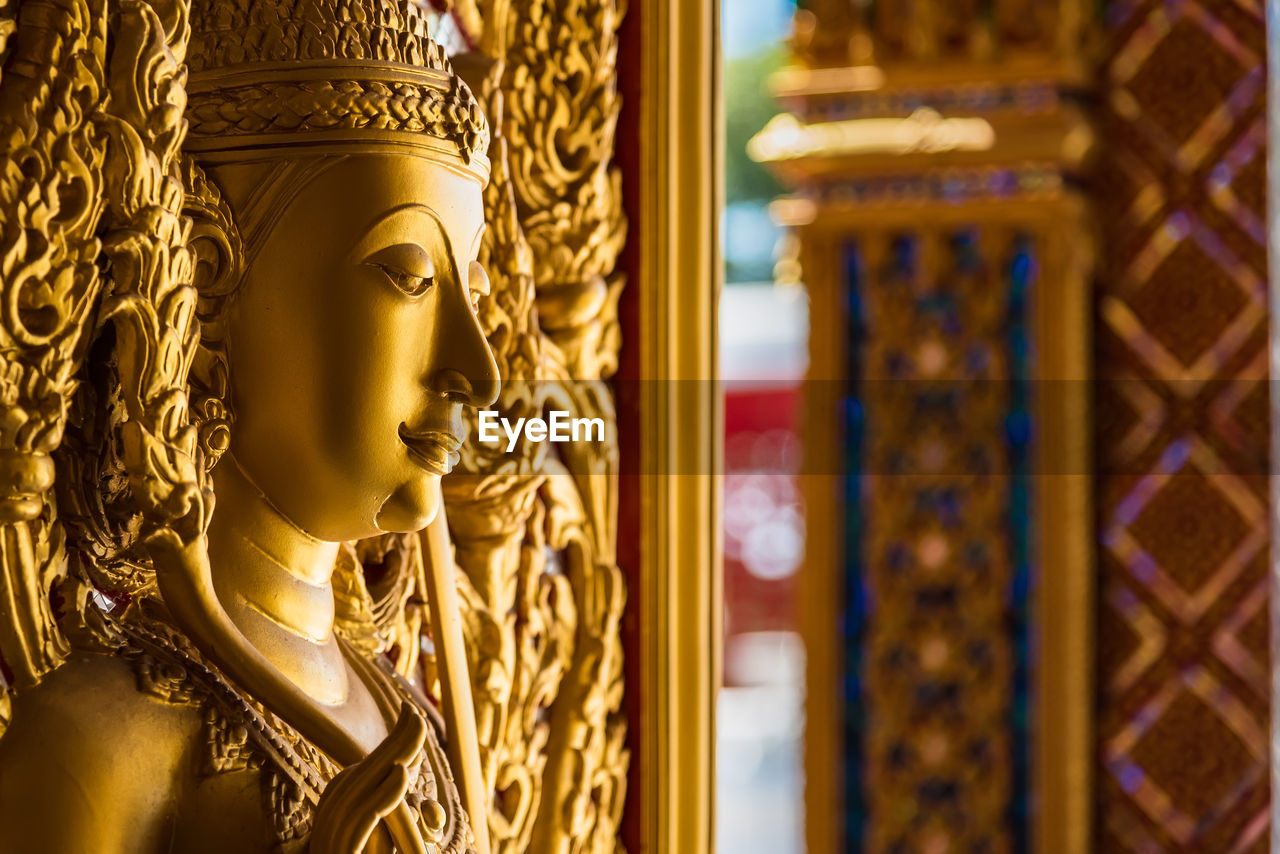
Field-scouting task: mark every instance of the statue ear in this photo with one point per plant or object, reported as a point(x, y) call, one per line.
point(215, 246)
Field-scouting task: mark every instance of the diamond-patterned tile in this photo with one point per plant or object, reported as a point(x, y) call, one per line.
point(1249, 181)
point(1189, 528)
point(1187, 286)
point(1187, 585)
point(1134, 415)
point(1188, 757)
point(1237, 185)
point(1183, 314)
point(1182, 252)
point(1134, 636)
point(1178, 95)
point(1240, 414)
point(1193, 755)
point(1242, 634)
point(1254, 634)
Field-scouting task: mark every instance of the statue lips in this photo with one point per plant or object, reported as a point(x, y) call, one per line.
point(434, 450)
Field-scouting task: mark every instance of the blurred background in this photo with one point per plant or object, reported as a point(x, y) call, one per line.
point(763, 356)
point(994, 336)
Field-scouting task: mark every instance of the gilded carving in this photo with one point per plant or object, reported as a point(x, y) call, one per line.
point(105, 171)
point(50, 190)
point(534, 530)
point(171, 173)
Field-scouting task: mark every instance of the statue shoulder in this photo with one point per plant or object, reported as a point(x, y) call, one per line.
point(105, 699)
point(91, 762)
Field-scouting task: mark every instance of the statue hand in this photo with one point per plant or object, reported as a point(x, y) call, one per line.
point(370, 791)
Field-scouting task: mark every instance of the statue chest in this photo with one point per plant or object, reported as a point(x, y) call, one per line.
point(255, 782)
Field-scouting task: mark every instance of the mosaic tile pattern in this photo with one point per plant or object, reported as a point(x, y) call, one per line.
point(937, 704)
point(1182, 430)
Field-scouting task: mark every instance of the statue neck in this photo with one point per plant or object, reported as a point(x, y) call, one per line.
point(273, 580)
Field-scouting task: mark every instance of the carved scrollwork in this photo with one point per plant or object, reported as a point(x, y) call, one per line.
point(50, 185)
point(535, 530)
point(561, 120)
point(92, 102)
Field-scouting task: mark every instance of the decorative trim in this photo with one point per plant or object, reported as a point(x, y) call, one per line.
point(282, 112)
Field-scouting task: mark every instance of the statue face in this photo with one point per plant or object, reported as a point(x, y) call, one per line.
point(353, 346)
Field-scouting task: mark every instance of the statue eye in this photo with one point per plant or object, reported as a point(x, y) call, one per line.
point(407, 266)
point(411, 285)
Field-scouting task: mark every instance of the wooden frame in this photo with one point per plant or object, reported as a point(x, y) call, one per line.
point(1065, 602)
point(819, 596)
point(671, 188)
point(1273, 262)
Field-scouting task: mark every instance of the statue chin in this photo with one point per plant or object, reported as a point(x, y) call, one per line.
point(411, 507)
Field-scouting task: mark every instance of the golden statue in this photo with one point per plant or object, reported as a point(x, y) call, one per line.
point(240, 246)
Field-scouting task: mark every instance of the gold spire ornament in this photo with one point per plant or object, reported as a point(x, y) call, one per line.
point(238, 343)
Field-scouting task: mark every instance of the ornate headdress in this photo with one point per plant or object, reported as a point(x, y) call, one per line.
point(269, 76)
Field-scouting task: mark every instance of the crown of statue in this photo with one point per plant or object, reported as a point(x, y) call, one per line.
point(271, 76)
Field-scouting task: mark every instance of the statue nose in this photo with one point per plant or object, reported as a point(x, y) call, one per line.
point(465, 368)
point(456, 385)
